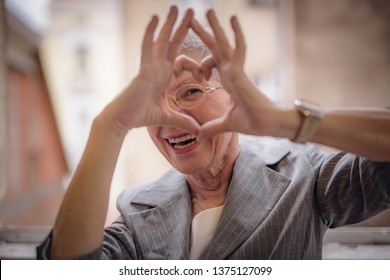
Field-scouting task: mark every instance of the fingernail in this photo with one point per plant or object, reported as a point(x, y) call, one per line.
point(154, 17)
point(189, 11)
point(172, 10)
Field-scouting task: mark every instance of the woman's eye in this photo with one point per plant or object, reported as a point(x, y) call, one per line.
point(192, 91)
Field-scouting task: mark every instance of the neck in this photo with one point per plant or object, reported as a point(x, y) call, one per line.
point(209, 188)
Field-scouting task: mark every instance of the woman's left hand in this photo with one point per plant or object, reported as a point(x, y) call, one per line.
point(251, 112)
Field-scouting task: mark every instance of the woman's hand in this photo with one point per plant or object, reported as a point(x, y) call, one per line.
point(143, 103)
point(250, 111)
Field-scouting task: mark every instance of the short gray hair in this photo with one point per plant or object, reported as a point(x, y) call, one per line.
point(193, 44)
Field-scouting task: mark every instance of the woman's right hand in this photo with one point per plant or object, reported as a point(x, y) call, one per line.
point(143, 102)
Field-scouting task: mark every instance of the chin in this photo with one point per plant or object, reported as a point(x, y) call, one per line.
point(194, 167)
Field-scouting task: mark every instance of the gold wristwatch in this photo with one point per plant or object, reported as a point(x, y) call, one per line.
point(312, 115)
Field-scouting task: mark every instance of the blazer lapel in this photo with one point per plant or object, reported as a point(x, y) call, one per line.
point(163, 231)
point(253, 192)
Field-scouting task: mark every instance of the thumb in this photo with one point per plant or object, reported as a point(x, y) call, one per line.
point(213, 127)
point(207, 64)
point(184, 63)
point(183, 122)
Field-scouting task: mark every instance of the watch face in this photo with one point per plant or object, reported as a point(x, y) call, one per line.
point(312, 115)
point(309, 108)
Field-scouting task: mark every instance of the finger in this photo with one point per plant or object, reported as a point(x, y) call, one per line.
point(185, 63)
point(206, 37)
point(165, 33)
point(180, 34)
point(239, 53)
point(212, 128)
point(220, 36)
point(207, 65)
point(147, 44)
point(183, 122)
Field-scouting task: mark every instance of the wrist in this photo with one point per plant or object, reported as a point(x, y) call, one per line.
point(106, 124)
point(285, 122)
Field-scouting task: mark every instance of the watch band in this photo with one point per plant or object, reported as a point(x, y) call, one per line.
point(312, 115)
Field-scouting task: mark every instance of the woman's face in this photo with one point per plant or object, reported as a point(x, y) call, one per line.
point(180, 148)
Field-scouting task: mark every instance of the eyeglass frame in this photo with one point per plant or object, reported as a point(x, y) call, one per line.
point(204, 89)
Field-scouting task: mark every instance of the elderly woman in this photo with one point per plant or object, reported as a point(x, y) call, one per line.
point(225, 198)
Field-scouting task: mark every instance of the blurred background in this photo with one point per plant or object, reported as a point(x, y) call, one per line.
point(62, 61)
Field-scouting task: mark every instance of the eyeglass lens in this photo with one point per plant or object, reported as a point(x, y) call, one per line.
point(189, 96)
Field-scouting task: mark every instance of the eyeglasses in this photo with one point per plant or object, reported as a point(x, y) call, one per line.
point(191, 95)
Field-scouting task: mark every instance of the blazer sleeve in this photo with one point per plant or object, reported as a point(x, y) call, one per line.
point(351, 189)
point(117, 244)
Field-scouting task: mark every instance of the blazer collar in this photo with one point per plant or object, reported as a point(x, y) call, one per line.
point(163, 231)
point(153, 194)
point(253, 192)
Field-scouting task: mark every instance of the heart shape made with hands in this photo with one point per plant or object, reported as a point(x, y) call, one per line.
point(249, 111)
point(201, 71)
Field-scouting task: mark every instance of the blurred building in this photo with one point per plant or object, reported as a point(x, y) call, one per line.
point(342, 52)
point(34, 157)
point(83, 59)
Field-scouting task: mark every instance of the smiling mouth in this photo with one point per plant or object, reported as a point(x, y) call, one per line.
point(182, 142)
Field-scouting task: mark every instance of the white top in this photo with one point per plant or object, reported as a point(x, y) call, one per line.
point(203, 227)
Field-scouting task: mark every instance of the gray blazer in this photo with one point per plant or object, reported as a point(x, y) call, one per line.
point(281, 199)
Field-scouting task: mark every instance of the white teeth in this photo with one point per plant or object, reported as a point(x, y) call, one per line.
point(181, 139)
point(178, 143)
